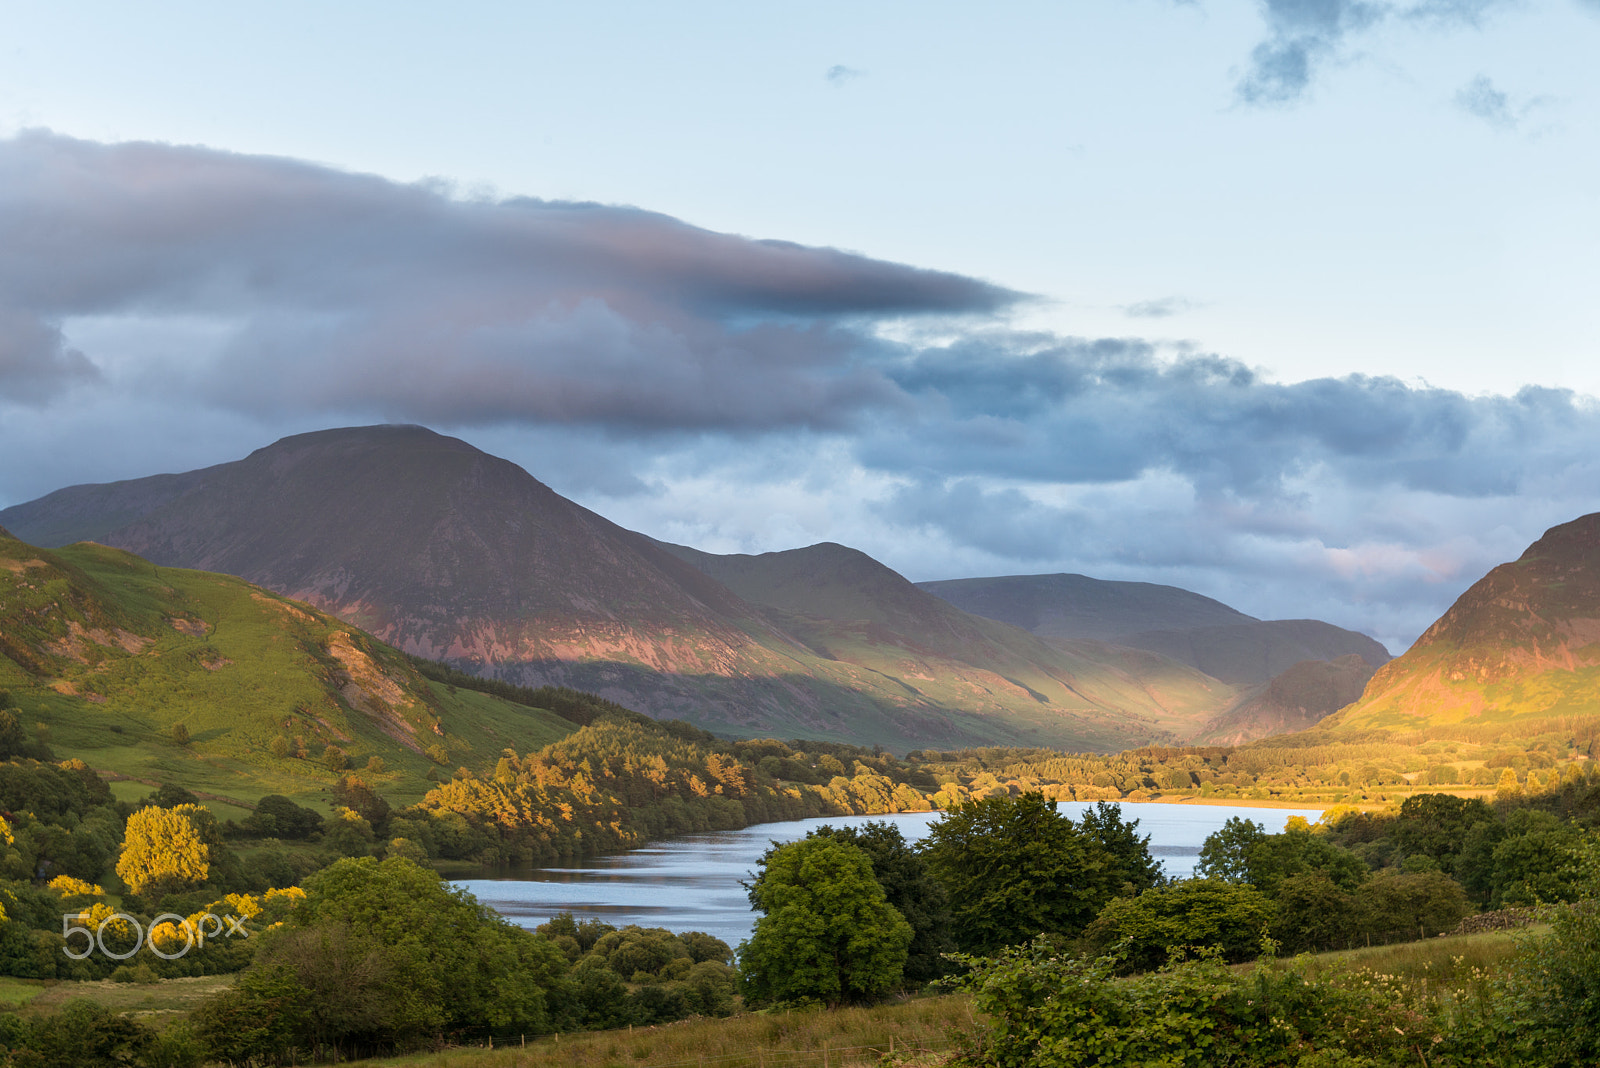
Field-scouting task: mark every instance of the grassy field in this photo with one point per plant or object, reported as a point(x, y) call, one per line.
point(917, 1031)
point(1451, 959)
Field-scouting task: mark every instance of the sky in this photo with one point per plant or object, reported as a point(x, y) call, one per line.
point(1287, 302)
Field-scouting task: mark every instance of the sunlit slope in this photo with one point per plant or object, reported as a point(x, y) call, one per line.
point(1517, 654)
point(853, 610)
point(111, 653)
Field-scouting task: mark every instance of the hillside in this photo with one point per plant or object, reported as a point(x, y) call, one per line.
point(1205, 634)
point(1254, 653)
point(1300, 698)
point(447, 552)
point(110, 653)
point(1518, 654)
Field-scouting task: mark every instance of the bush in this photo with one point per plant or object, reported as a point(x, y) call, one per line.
point(1192, 913)
point(384, 955)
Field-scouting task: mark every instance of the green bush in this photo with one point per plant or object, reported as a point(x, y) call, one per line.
point(1192, 913)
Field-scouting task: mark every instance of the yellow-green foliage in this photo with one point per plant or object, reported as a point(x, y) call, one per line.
point(616, 783)
point(166, 848)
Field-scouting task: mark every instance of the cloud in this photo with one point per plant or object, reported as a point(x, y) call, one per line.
point(1080, 411)
point(1481, 99)
point(1304, 35)
point(839, 75)
point(36, 364)
point(348, 292)
point(166, 308)
point(1164, 308)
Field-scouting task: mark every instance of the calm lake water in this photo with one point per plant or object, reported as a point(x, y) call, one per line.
point(692, 883)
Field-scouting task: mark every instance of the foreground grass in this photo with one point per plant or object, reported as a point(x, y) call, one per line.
point(915, 1030)
point(1452, 960)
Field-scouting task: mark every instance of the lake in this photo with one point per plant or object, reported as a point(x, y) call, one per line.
point(692, 883)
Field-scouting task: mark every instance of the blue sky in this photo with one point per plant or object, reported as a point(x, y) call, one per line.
point(1246, 297)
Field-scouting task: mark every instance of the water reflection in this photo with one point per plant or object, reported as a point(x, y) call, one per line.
point(693, 883)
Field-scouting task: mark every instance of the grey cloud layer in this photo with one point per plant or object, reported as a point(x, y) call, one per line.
point(347, 291)
point(1105, 411)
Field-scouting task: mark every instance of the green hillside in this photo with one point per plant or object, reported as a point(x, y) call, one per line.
point(186, 677)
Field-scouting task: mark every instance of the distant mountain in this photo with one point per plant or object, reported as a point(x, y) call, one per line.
point(1205, 634)
point(112, 653)
point(1517, 654)
point(847, 606)
point(1299, 698)
point(448, 552)
point(1076, 606)
point(1252, 653)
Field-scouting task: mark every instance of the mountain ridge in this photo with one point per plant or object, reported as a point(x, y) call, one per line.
point(450, 553)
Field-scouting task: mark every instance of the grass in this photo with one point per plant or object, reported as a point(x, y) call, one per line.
point(15, 992)
point(917, 1030)
point(156, 1003)
point(1452, 959)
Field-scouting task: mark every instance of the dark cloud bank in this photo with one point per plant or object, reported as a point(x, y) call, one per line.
point(293, 295)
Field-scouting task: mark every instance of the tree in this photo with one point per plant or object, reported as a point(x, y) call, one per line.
point(1013, 868)
point(1130, 854)
point(1243, 852)
point(1437, 825)
point(167, 849)
point(13, 740)
point(1225, 853)
point(827, 934)
point(355, 793)
point(910, 888)
point(278, 816)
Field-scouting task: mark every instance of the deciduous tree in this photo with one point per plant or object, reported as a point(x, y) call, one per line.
point(828, 934)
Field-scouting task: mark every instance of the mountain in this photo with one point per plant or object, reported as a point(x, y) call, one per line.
point(849, 607)
point(110, 654)
point(1220, 641)
point(1517, 654)
point(1299, 698)
point(1257, 652)
point(445, 551)
point(1077, 606)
